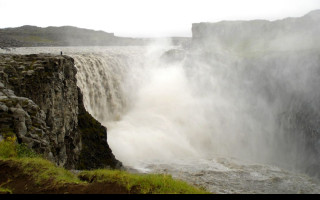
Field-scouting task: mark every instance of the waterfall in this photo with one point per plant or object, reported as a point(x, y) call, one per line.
point(227, 122)
point(101, 77)
point(145, 103)
point(249, 108)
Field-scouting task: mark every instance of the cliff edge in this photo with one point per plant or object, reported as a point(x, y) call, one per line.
point(42, 106)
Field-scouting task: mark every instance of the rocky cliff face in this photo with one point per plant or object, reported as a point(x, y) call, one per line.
point(40, 103)
point(259, 35)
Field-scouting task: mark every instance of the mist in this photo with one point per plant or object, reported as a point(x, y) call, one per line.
point(257, 102)
point(160, 110)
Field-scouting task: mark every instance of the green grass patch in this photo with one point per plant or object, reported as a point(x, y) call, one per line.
point(43, 170)
point(8, 148)
point(5, 190)
point(142, 183)
point(32, 164)
point(23, 151)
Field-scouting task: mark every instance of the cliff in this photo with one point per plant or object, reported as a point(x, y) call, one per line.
point(41, 104)
point(260, 35)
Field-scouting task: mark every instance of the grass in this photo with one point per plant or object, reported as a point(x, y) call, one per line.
point(144, 184)
point(33, 164)
point(5, 191)
point(44, 172)
point(8, 148)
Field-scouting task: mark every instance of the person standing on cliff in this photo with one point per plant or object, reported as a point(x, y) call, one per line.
point(61, 53)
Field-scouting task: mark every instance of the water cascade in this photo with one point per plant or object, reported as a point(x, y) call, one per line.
point(227, 122)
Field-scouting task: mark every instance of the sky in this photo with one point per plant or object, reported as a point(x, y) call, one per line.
point(145, 18)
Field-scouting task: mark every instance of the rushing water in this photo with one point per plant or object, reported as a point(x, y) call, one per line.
point(211, 126)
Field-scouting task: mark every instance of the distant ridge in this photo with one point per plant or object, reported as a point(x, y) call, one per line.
point(31, 36)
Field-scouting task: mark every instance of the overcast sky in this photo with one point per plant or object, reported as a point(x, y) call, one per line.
point(145, 18)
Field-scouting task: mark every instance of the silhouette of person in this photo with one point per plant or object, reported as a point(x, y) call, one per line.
point(61, 52)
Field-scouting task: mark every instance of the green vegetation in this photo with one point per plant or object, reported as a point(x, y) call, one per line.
point(143, 184)
point(23, 151)
point(7, 132)
point(43, 172)
point(8, 148)
point(41, 169)
point(5, 190)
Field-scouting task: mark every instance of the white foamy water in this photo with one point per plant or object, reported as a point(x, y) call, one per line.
point(227, 176)
point(193, 121)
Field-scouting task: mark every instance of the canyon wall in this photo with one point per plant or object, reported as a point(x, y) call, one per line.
point(259, 35)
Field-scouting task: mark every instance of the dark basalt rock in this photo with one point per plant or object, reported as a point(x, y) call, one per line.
point(41, 104)
point(95, 153)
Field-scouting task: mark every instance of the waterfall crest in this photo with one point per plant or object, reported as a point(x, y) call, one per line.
point(101, 77)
